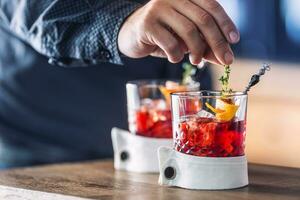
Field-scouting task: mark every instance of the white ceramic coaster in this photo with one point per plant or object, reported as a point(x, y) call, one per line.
point(136, 153)
point(207, 173)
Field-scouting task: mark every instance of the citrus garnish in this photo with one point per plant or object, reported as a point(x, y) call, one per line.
point(225, 108)
point(187, 79)
point(169, 88)
point(215, 110)
point(224, 111)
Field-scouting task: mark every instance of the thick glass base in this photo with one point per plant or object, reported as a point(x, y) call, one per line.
point(202, 173)
point(136, 153)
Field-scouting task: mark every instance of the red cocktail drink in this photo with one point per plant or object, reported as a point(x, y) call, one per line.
point(153, 121)
point(201, 136)
point(217, 130)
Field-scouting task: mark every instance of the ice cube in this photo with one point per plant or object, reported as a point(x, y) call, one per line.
point(205, 114)
point(146, 101)
point(241, 112)
point(160, 104)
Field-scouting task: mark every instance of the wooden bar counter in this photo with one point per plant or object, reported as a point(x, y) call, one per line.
point(98, 180)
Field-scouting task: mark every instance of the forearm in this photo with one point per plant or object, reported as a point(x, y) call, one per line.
point(73, 33)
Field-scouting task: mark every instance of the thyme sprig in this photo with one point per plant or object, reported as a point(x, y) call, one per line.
point(224, 79)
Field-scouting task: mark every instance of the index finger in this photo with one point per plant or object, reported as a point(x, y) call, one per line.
point(222, 19)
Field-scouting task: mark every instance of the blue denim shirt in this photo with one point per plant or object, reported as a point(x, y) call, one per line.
point(50, 113)
point(80, 32)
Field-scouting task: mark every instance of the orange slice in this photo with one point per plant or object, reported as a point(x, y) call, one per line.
point(224, 111)
point(215, 110)
point(175, 87)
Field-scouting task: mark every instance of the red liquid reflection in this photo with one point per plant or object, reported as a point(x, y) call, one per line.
point(154, 123)
point(153, 119)
point(200, 136)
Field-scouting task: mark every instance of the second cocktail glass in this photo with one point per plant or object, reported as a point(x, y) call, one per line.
point(149, 109)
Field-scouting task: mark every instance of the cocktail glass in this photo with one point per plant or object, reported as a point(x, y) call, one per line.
point(217, 129)
point(148, 104)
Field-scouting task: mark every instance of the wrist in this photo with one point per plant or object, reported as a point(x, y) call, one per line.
point(127, 33)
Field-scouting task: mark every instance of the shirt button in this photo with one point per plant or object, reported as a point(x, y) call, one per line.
point(52, 61)
point(105, 54)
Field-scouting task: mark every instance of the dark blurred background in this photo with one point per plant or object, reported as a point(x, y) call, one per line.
point(270, 29)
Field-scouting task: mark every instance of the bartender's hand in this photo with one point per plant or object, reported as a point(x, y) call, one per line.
point(172, 28)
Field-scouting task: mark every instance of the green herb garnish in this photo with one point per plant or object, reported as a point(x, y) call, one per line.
point(189, 71)
point(226, 90)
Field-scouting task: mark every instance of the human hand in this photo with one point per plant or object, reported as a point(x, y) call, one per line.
point(172, 28)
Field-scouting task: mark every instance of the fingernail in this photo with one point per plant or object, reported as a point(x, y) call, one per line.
point(234, 37)
point(176, 57)
point(228, 58)
point(192, 59)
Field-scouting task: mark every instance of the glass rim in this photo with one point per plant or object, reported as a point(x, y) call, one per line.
point(217, 94)
point(156, 81)
point(149, 81)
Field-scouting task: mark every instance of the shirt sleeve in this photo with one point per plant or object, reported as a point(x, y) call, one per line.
point(72, 32)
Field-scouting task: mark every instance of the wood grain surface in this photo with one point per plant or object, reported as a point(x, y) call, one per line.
point(98, 180)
